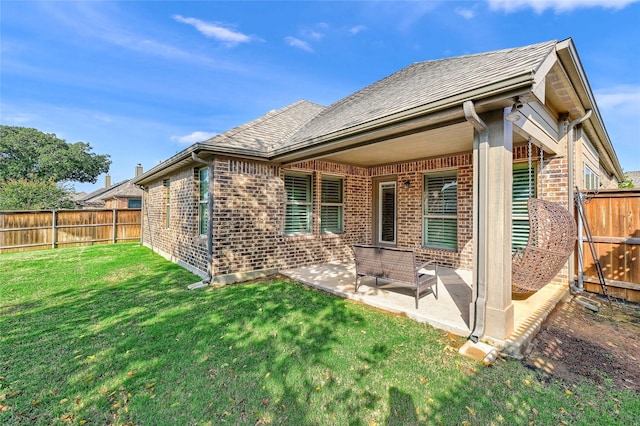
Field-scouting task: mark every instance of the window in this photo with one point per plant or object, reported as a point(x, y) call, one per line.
point(332, 207)
point(203, 200)
point(441, 211)
point(519, 209)
point(167, 202)
point(591, 179)
point(134, 204)
point(298, 213)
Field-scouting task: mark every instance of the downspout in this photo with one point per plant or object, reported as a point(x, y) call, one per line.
point(571, 185)
point(480, 178)
point(209, 164)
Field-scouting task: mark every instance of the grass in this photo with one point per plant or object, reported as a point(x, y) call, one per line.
point(110, 335)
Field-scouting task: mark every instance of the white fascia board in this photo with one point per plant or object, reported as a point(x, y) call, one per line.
point(540, 76)
point(569, 58)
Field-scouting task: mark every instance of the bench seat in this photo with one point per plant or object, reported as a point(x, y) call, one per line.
point(397, 267)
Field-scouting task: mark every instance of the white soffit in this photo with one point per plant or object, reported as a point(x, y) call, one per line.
point(432, 143)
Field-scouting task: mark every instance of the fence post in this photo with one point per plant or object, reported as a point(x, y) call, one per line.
point(54, 233)
point(115, 232)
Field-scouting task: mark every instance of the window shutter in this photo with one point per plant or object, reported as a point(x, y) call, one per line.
point(520, 214)
point(298, 188)
point(331, 209)
point(298, 212)
point(297, 219)
point(331, 218)
point(332, 190)
point(441, 211)
point(442, 195)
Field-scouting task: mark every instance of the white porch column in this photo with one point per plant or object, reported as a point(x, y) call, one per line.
point(493, 176)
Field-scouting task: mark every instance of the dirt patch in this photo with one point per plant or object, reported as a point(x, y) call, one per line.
point(576, 343)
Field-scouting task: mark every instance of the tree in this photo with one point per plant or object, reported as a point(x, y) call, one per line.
point(35, 168)
point(30, 154)
point(38, 194)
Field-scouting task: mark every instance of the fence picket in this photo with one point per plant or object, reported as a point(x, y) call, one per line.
point(36, 230)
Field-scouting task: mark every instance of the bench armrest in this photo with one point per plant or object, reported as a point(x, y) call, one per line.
point(429, 263)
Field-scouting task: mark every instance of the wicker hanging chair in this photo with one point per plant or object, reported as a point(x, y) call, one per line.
point(552, 237)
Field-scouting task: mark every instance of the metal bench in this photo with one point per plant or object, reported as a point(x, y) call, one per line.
point(396, 268)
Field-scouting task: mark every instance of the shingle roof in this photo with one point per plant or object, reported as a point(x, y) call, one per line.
point(266, 133)
point(421, 87)
point(423, 83)
point(417, 85)
point(635, 178)
point(124, 189)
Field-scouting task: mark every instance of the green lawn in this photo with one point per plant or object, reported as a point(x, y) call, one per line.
point(110, 335)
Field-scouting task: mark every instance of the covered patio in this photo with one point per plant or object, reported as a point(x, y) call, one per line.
point(449, 312)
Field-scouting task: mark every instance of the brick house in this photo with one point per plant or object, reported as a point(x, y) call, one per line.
point(121, 195)
point(435, 157)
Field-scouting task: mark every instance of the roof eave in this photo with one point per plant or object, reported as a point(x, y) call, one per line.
point(178, 160)
point(568, 56)
point(184, 159)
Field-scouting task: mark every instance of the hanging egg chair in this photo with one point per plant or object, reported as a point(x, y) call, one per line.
point(552, 237)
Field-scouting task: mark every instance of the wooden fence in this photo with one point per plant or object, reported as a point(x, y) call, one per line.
point(614, 218)
point(42, 229)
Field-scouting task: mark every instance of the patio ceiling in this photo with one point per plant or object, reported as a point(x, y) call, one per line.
point(437, 142)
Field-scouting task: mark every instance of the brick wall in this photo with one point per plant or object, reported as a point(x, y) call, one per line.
point(249, 211)
point(118, 203)
point(180, 240)
point(410, 205)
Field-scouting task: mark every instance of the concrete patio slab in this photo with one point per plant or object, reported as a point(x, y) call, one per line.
point(449, 311)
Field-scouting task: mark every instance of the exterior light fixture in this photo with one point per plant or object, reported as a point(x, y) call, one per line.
point(406, 184)
point(513, 115)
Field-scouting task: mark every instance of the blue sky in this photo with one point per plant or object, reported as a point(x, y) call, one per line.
point(141, 81)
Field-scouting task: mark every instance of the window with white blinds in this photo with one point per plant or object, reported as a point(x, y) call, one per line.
point(591, 179)
point(440, 216)
point(332, 205)
point(519, 211)
point(203, 199)
point(298, 210)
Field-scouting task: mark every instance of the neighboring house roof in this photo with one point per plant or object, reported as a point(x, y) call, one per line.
point(92, 199)
point(123, 189)
point(126, 189)
point(77, 196)
point(635, 178)
point(421, 89)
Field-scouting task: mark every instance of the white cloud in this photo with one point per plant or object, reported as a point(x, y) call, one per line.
point(312, 34)
point(215, 31)
point(299, 44)
point(558, 6)
point(357, 29)
point(626, 97)
point(464, 12)
point(193, 137)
